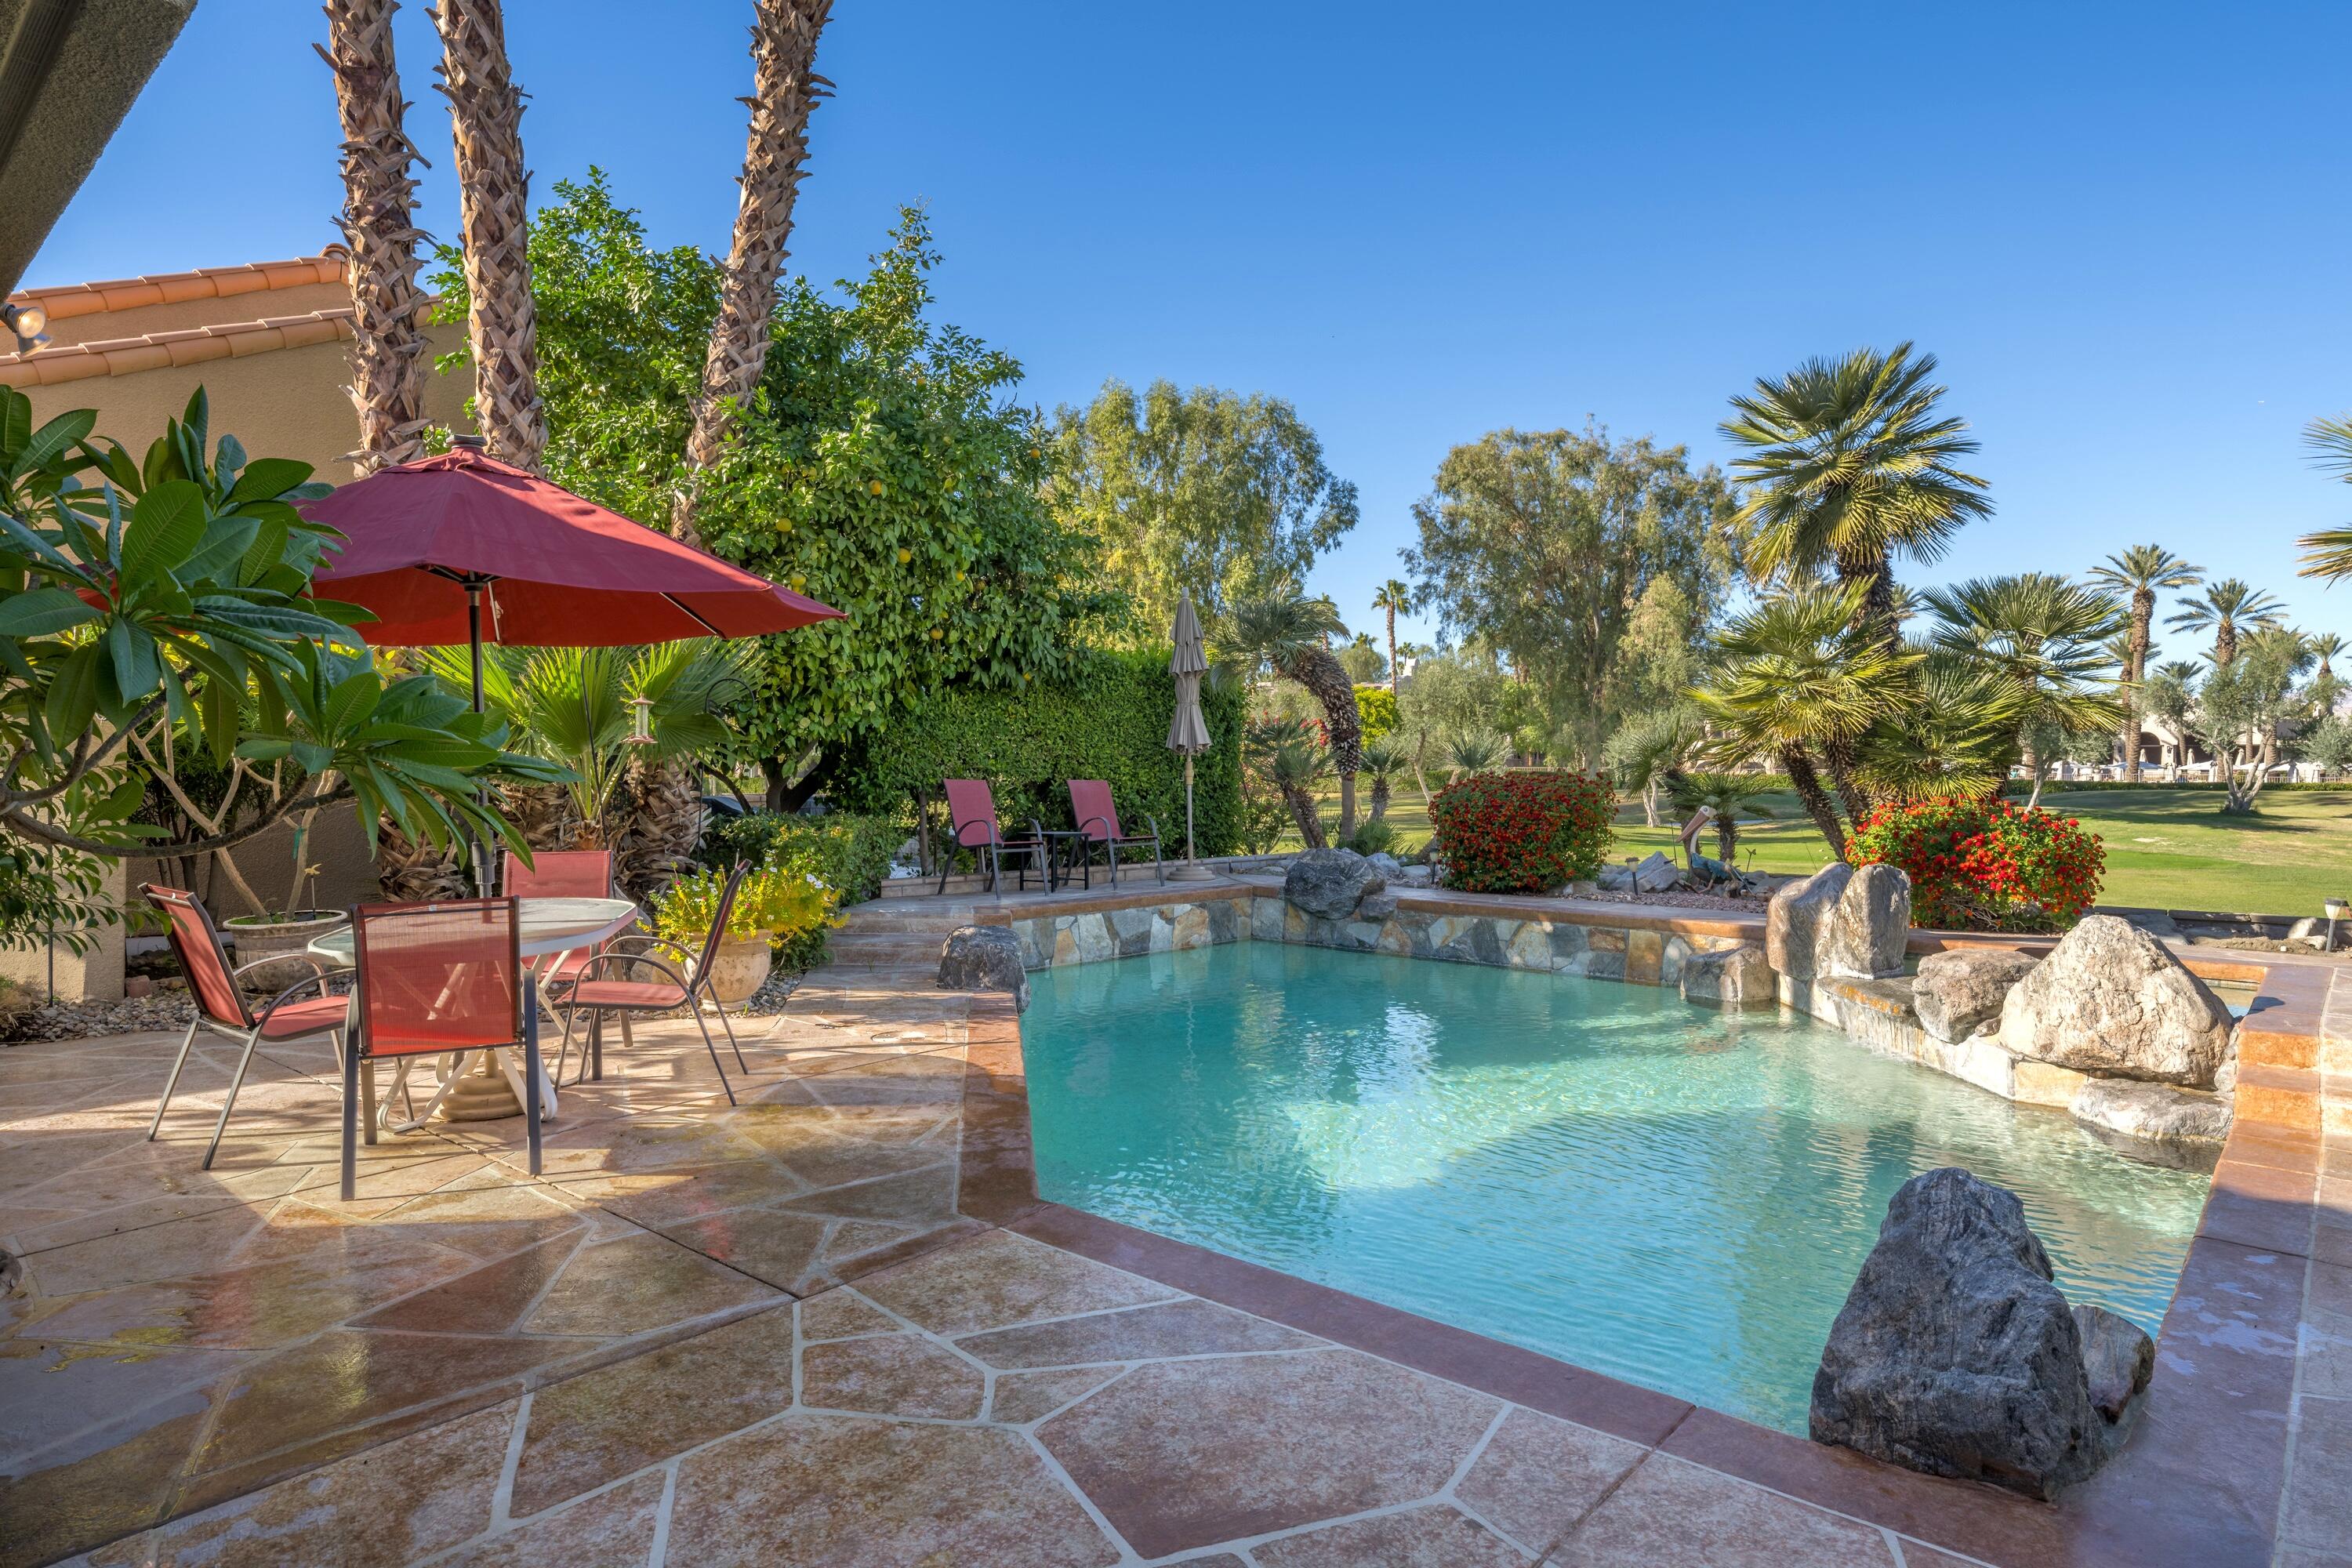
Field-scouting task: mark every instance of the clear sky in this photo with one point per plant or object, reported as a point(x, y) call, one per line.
point(2122, 227)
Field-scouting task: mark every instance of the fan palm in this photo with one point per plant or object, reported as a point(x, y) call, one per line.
point(1800, 677)
point(2142, 571)
point(1475, 751)
point(1956, 733)
point(2328, 553)
point(2042, 634)
point(572, 706)
point(1296, 766)
point(2229, 607)
point(1728, 797)
point(1650, 750)
point(1849, 463)
point(1393, 597)
point(1385, 759)
point(1286, 631)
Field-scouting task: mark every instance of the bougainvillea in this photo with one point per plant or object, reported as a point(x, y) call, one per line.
point(1985, 865)
point(1521, 832)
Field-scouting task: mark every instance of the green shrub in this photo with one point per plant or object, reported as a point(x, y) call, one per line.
point(1377, 836)
point(849, 852)
point(1376, 708)
point(1109, 722)
point(1985, 865)
point(1521, 832)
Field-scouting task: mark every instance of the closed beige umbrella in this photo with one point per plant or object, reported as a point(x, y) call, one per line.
point(1188, 732)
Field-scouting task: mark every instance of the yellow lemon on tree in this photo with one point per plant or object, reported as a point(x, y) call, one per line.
point(937, 634)
point(904, 556)
point(875, 485)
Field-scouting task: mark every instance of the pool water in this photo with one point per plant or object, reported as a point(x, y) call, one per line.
point(1671, 1195)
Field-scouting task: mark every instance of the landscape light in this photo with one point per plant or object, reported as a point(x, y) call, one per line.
point(28, 324)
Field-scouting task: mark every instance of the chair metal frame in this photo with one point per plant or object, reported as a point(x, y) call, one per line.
point(248, 1028)
point(358, 1062)
point(691, 989)
point(1034, 851)
point(1110, 840)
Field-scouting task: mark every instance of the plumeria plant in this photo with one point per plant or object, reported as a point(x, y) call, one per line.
point(1521, 832)
point(1981, 864)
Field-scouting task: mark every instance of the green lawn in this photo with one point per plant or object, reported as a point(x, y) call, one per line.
point(2166, 848)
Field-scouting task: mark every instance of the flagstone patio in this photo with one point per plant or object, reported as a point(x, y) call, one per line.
point(830, 1325)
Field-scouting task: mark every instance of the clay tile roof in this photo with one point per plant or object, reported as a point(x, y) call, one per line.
point(172, 287)
point(160, 351)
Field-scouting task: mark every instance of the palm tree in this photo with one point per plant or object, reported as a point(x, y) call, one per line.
point(1476, 750)
point(572, 706)
point(2230, 608)
point(1850, 463)
point(1395, 598)
point(2325, 646)
point(1955, 733)
point(2169, 694)
point(1650, 751)
point(2142, 571)
point(379, 225)
point(1801, 679)
point(1384, 761)
point(2328, 553)
point(1726, 796)
point(2042, 634)
point(785, 90)
point(493, 204)
point(1296, 764)
point(1286, 632)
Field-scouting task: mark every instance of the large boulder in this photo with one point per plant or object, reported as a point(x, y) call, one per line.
point(1732, 977)
point(1957, 992)
point(1656, 874)
point(1955, 1354)
point(2111, 999)
point(2118, 1358)
point(985, 958)
point(1799, 916)
point(1840, 922)
point(1331, 882)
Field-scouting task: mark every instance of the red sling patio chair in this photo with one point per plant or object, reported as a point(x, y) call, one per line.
point(561, 874)
point(437, 978)
point(972, 806)
point(1098, 820)
point(220, 1001)
point(596, 994)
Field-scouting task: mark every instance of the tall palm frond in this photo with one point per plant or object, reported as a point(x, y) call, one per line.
point(1287, 631)
point(2328, 553)
point(1955, 735)
point(1476, 750)
point(1850, 463)
point(2229, 607)
point(2043, 634)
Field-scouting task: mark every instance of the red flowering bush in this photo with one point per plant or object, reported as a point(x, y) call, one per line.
point(1985, 865)
point(1521, 833)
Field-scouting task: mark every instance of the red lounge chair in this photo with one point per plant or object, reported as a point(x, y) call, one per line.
point(562, 874)
point(221, 1006)
point(972, 807)
point(435, 978)
point(1098, 820)
point(596, 992)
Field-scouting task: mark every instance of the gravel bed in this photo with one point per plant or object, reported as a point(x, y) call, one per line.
point(76, 1020)
point(1754, 904)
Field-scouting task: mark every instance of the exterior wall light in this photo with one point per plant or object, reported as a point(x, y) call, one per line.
point(28, 322)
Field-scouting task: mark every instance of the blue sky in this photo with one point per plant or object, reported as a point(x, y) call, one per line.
point(2123, 228)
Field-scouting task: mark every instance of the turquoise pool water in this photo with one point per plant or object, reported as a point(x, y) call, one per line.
point(1676, 1197)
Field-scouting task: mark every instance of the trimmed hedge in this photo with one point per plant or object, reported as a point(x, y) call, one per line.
point(852, 853)
point(1107, 722)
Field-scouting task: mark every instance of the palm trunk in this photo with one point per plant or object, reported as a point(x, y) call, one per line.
point(784, 89)
point(1303, 815)
point(1650, 803)
point(1392, 662)
point(1727, 841)
point(2143, 616)
point(1379, 796)
point(493, 199)
point(1807, 782)
point(2225, 645)
point(378, 221)
point(1844, 766)
point(2034, 766)
point(1324, 676)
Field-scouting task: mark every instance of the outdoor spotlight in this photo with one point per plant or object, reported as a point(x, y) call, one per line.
point(29, 323)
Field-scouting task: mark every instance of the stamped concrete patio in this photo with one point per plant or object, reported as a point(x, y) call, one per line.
point(833, 1325)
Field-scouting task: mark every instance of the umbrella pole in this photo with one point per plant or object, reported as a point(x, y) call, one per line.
point(1189, 852)
point(474, 638)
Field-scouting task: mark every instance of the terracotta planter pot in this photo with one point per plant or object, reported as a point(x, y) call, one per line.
point(741, 968)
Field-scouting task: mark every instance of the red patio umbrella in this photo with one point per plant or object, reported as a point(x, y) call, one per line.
point(431, 546)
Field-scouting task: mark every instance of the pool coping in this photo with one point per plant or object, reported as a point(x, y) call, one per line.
point(2202, 1480)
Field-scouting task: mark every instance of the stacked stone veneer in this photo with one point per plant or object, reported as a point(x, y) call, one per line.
point(1553, 946)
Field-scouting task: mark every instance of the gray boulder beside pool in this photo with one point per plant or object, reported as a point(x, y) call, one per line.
point(1960, 990)
point(1956, 1355)
point(1840, 922)
point(1330, 883)
point(2113, 1000)
point(985, 958)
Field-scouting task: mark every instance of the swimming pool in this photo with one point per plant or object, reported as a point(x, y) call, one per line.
point(1670, 1194)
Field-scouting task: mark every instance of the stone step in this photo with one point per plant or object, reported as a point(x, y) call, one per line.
point(875, 947)
point(931, 923)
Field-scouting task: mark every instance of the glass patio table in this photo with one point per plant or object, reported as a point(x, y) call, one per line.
point(546, 931)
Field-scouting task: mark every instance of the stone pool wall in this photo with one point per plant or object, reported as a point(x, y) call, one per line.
point(1878, 1014)
point(1555, 945)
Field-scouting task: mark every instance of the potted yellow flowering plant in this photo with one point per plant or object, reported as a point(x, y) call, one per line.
point(775, 904)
